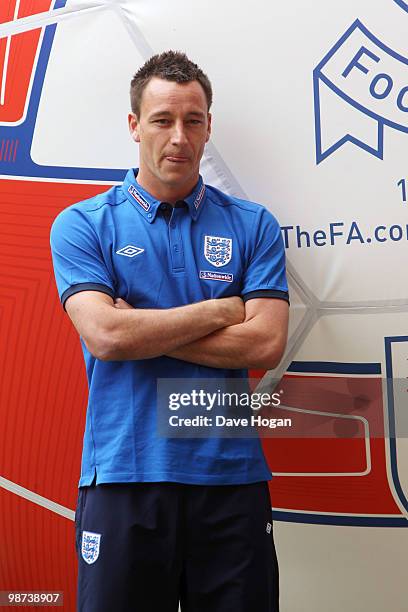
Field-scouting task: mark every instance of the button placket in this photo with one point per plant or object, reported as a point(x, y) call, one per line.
point(175, 241)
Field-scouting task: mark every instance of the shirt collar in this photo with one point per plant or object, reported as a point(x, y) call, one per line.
point(148, 206)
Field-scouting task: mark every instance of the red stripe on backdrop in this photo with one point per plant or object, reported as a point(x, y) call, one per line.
point(43, 391)
point(340, 450)
point(43, 374)
point(37, 550)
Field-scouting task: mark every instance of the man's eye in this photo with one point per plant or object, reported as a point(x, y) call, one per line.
point(195, 121)
point(161, 121)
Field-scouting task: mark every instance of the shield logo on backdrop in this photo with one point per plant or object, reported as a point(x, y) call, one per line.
point(217, 250)
point(90, 546)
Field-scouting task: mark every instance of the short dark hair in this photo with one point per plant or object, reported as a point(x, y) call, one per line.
point(171, 66)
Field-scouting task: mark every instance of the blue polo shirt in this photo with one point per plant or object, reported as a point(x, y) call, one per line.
point(127, 244)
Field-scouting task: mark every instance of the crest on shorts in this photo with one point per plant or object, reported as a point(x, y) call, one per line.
point(217, 250)
point(90, 546)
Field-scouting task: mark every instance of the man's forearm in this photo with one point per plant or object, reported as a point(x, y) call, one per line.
point(129, 333)
point(234, 347)
point(143, 334)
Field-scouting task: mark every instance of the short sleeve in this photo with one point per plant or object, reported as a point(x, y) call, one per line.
point(77, 256)
point(265, 275)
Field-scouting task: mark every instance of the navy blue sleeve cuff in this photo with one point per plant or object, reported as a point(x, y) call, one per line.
point(267, 293)
point(85, 287)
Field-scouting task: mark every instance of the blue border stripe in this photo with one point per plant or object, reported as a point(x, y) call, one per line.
point(391, 411)
point(351, 521)
point(334, 367)
point(402, 4)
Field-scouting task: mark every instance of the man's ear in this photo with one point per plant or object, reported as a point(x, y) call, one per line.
point(208, 127)
point(134, 126)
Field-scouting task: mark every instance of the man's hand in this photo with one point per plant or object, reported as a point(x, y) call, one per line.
point(233, 309)
point(121, 304)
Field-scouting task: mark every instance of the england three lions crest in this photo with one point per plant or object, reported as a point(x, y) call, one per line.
point(90, 546)
point(217, 250)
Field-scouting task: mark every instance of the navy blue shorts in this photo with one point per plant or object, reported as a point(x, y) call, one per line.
point(145, 547)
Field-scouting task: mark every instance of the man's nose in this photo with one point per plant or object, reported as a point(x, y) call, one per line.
point(178, 134)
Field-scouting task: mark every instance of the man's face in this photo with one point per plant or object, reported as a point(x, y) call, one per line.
point(172, 129)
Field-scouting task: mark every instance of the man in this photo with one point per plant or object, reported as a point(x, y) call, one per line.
point(165, 277)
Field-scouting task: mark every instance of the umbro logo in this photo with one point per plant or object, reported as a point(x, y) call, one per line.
point(130, 251)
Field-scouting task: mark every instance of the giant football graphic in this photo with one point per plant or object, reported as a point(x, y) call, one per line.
point(315, 129)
